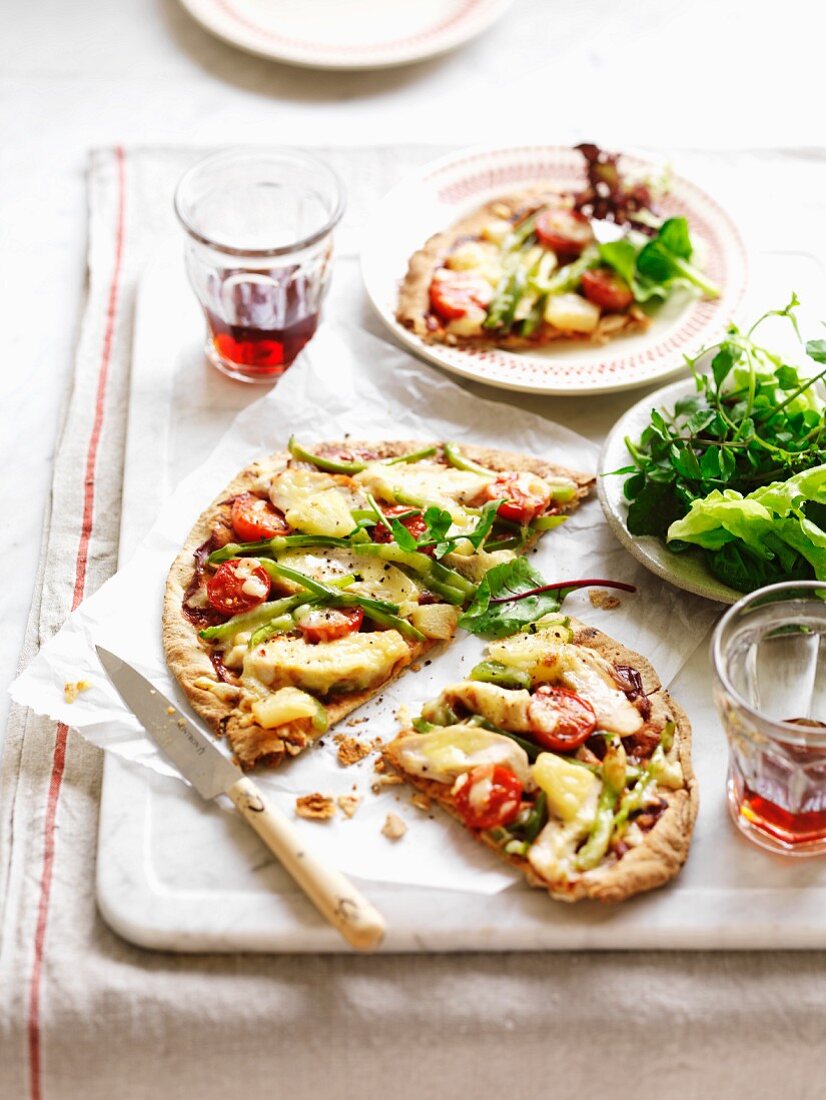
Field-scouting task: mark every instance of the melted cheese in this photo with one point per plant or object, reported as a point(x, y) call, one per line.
point(576, 667)
point(428, 482)
point(377, 578)
point(573, 793)
point(314, 502)
point(504, 707)
point(353, 663)
point(445, 753)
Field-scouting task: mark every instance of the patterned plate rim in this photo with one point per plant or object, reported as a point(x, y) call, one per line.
point(616, 369)
point(224, 19)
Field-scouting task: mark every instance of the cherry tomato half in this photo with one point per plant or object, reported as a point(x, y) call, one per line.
point(524, 495)
point(488, 796)
point(255, 518)
point(565, 232)
point(238, 585)
point(453, 293)
point(415, 524)
point(560, 720)
point(607, 290)
point(325, 624)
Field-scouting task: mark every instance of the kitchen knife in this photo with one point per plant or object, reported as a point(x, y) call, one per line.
point(199, 760)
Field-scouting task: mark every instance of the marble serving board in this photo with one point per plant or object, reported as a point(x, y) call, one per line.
point(175, 873)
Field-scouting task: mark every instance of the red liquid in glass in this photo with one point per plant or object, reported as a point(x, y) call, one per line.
point(265, 350)
point(772, 818)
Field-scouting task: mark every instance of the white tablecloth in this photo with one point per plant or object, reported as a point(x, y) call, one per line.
point(81, 1013)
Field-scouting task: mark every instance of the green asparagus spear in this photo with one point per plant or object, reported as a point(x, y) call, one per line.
point(328, 465)
point(415, 456)
point(455, 457)
point(494, 672)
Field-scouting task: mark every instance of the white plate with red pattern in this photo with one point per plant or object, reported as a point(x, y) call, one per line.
point(449, 189)
point(356, 34)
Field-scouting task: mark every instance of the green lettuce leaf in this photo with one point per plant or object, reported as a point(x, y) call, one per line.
point(770, 525)
point(510, 579)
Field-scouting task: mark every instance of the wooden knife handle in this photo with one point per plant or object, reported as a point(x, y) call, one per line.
point(335, 898)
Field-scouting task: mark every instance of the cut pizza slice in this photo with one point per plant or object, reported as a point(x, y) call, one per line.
point(562, 753)
point(318, 576)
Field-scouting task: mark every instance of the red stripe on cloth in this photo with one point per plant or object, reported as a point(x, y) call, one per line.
point(81, 564)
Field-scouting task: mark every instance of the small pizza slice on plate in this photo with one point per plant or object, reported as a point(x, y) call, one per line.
point(542, 264)
point(318, 576)
point(563, 754)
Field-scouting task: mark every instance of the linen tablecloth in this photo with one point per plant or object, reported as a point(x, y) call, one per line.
point(85, 1014)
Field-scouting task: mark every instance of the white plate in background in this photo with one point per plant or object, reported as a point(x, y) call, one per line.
point(358, 34)
point(447, 190)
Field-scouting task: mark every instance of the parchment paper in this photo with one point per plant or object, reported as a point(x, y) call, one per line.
point(380, 393)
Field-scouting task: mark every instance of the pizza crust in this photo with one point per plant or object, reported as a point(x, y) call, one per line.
point(189, 661)
point(413, 308)
point(664, 849)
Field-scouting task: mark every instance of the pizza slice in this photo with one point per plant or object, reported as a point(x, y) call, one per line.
point(541, 265)
point(563, 754)
point(318, 576)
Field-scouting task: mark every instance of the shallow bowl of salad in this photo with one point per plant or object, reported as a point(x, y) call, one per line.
point(717, 483)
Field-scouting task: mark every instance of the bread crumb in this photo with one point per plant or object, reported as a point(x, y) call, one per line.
point(420, 800)
point(170, 710)
point(348, 803)
point(379, 765)
point(386, 781)
point(356, 721)
point(350, 751)
point(605, 601)
point(403, 716)
point(182, 723)
point(416, 666)
point(393, 828)
point(316, 807)
point(72, 690)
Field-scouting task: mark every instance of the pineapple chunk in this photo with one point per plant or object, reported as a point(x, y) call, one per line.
point(572, 313)
point(476, 565)
point(311, 502)
point(468, 325)
point(288, 705)
point(571, 789)
point(353, 663)
point(436, 620)
point(471, 255)
point(497, 230)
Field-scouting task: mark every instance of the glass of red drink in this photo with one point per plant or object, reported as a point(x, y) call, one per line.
point(259, 225)
point(769, 659)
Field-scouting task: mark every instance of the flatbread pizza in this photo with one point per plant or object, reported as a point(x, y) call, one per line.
point(562, 753)
point(317, 577)
point(541, 265)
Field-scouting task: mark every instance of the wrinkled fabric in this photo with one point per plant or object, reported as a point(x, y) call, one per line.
point(110, 1019)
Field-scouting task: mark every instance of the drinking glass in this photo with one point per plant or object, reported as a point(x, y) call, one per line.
point(259, 225)
point(769, 660)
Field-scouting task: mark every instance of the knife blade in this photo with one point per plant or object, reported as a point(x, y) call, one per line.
point(192, 752)
point(199, 760)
